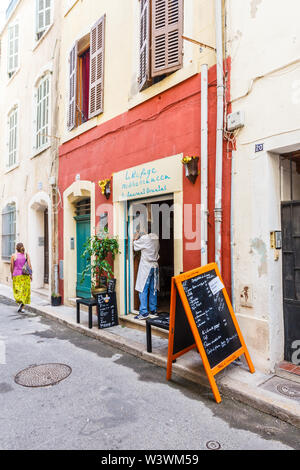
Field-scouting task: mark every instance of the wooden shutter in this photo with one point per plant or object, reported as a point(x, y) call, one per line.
point(97, 49)
point(144, 44)
point(167, 30)
point(72, 88)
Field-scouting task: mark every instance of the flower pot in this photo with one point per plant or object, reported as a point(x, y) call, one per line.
point(191, 170)
point(98, 290)
point(56, 301)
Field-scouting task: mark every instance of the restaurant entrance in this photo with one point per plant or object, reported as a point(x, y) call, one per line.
point(160, 212)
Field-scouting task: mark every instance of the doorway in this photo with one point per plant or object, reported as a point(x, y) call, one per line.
point(83, 231)
point(160, 212)
point(290, 225)
point(46, 247)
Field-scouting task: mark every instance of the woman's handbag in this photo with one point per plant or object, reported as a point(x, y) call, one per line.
point(26, 271)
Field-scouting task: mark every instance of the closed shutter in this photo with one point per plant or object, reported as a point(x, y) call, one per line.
point(72, 88)
point(144, 44)
point(167, 30)
point(97, 49)
point(13, 48)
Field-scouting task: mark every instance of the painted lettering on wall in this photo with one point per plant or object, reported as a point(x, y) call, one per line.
point(144, 182)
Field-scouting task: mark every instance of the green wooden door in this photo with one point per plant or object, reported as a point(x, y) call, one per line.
point(83, 232)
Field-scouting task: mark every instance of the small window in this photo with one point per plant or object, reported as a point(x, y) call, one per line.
point(12, 137)
point(161, 43)
point(43, 17)
point(13, 49)
point(86, 76)
point(8, 231)
point(42, 113)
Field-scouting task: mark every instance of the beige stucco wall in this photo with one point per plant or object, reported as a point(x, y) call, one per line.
point(28, 183)
point(264, 44)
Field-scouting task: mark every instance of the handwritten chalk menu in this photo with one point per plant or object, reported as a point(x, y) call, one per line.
point(212, 317)
point(107, 310)
point(213, 328)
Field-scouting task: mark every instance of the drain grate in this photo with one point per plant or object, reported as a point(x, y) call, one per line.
point(42, 375)
point(291, 391)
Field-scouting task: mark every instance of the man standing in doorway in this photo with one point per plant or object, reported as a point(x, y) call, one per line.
point(147, 283)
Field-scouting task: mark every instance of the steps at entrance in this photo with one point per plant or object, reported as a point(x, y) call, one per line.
point(130, 322)
point(287, 370)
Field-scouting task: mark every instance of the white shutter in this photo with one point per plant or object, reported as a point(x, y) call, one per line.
point(12, 137)
point(42, 113)
point(43, 15)
point(72, 87)
point(97, 49)
point(13, 48)
point(144, 75)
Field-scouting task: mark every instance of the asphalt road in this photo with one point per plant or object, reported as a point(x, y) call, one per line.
point(114, 401)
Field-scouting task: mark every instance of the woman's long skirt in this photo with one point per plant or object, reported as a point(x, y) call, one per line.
point(21, 289)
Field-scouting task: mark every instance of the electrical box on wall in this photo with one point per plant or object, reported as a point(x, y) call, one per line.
point(235, 120)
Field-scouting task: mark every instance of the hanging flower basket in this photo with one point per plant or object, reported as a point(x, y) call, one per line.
point(191, 168)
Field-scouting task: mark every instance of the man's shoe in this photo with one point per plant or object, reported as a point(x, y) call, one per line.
point(155, 314)
point(141, 316)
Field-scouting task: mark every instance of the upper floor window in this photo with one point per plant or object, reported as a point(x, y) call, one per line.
point(161, 43)
point(12, 137)
point(8, 230)
point(42, 113)
point(86, 76)
point(43, 17)
point(13, 49)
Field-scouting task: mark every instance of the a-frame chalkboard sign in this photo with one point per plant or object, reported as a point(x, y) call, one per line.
point(201, 316)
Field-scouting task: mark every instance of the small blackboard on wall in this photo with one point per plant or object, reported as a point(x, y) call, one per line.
point(212, 322)
point(107, 310)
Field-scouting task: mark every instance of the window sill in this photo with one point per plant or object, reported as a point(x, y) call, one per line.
point(38, 42)
point(12, 168)
point(13, 76)
point(40, 150)
point(167, 83)
point(5, 260)
point(86, 126)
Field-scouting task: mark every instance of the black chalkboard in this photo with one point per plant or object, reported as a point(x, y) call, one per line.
point(107, 310)
point(183, 336)
point(212, 317)
point(111, 286)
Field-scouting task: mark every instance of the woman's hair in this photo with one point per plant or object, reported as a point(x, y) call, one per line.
point(20, 248)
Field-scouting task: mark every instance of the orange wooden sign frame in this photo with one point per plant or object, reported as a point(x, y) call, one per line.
point(211, 372)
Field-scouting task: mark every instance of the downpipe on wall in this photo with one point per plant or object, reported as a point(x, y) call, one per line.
point(220, 124)
point(204, 162)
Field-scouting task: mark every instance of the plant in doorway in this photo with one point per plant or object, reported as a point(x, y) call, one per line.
point(55, 299)
point(98, 249)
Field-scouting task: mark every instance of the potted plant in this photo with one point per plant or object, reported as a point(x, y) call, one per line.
point(98, 249)
point(55, 299)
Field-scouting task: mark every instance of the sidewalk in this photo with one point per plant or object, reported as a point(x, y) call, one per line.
point(258, 390)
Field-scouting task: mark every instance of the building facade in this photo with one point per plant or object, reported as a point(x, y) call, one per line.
point(30, 48)
point(138, 88)
point(262, 40)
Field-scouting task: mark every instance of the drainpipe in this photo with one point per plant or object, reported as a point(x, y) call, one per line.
point(220, 124)
point(204, 161)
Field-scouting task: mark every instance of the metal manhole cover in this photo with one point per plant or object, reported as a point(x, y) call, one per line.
point(291, 391)
point(43, 375)
point(213, 445)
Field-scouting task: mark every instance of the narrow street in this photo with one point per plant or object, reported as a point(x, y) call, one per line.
point(114, 401)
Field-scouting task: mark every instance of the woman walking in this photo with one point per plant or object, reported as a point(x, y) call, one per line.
point(21, 276)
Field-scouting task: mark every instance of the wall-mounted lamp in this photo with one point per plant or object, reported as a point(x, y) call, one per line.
point(191, 168)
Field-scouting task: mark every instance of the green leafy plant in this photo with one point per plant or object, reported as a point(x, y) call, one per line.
point(96, 250)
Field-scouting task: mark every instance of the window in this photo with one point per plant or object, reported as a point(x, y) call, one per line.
point(86, 76)
point(13, 49)
point(12, 137)
point(43, 17)
point(42, 113)
point(8, 231)
point(161, 44)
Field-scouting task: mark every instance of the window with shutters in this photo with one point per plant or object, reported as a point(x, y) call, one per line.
point(161, 44)
point(8, 231)
point(12, 138)
point(13, 49)
point(86, 76)
point(43, 17)
point(42, 113)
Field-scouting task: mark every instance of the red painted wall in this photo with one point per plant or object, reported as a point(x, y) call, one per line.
point(165, 125)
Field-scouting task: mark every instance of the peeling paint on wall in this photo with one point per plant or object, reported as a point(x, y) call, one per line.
point(260, 248)
point(254, 7)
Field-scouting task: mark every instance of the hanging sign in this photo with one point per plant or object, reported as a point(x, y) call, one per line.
point(201, 316)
